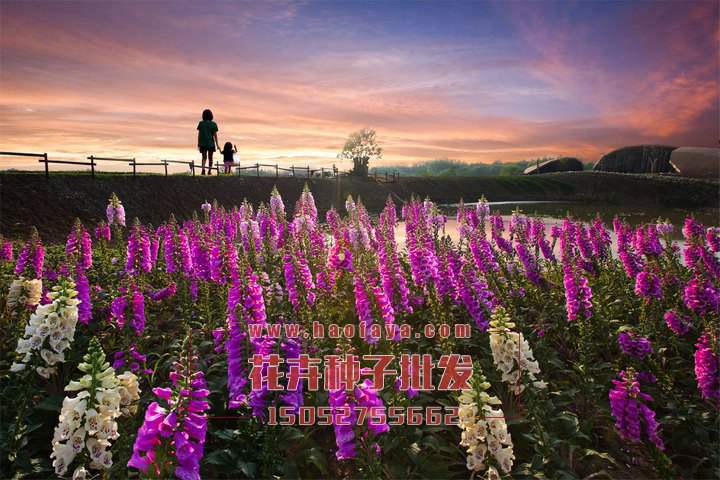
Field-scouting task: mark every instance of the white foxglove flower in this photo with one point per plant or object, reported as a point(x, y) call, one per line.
point(88, 420)
point(512, 354)
point(16, 288)
point(80, 474)
point(62, 456)
point(25, 292)
point(49, 331)
point(33, 289)
point(484, 431)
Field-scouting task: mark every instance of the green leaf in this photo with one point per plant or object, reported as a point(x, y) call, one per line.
point(291, 434)
point(594, 453)
point(249, 469)
point(317, 458)
point(225, 434)
point(224, 457)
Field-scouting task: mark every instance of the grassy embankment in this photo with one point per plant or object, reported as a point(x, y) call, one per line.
point(52, 205)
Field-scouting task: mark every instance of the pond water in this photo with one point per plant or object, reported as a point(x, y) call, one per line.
point(553, 213)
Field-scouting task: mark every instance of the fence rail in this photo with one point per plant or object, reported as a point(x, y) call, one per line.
point(294, 171)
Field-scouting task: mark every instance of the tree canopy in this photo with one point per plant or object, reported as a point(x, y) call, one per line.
point(361, 148)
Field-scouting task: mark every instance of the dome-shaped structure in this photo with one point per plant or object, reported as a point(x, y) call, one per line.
point(696, 162)
point(637, 159)
point(564, 164)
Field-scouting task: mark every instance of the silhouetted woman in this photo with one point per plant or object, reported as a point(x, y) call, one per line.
point(207, 139)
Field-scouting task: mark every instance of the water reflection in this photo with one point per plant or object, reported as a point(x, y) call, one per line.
point(553, 213)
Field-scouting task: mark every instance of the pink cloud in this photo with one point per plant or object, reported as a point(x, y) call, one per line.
point(564, 90)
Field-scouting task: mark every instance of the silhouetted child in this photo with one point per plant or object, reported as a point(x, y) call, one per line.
point(227, 152)
point(207, 139)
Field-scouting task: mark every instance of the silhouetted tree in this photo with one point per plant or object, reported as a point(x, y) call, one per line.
point(362, 148)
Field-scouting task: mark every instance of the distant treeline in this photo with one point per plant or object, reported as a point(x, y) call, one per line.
point(453, 168)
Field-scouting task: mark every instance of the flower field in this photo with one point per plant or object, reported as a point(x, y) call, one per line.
point(132, 350)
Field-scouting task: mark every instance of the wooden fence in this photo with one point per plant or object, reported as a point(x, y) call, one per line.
point(258, 168)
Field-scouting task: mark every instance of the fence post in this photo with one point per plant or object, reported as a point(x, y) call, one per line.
point(277, 171)
point(133, 165)
point(292, 167)
point(308, 170)
point(92, 166)
point(257, 167)
point(47, 170)
point(165, 168)
point(192, 167)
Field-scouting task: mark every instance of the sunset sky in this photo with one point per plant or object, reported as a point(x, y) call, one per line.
point(288, 81)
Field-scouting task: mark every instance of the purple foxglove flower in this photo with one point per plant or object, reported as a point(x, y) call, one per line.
point(120, 215)
point(236, 376)
point(215, 263)
point(277, 208)
point(627, 407)
point(163, 293)
point(117, 310)
point(647, 285)
point(306, 278)
point(582, 238)
point(700, 296)
point(578, 294)
point(6, 251)
point(294, 398)
point(22, 259)
point(363, 308)
point(254, 300)
point(180, 429)
point(529, 263)
point(367, 396)
point(634, 345)
point(600, 238)
point(146, 262)
point(483, 255)
point(185, 254)
point(132, 252)
point(343, 426)
point(110, 212)
point(707, 368)
point(711, 263)
point(258, 399)
point(712, 237)
point(664, 228)
point(692, 229)
point(290, 282)
point(147, 438)
point(138, 310)
point(38, 259)
point(169, 247)
point(679, 325)
point(102, 232)
point(387, 313)
point(118, 360)
point(477, 298)
point(83, 289)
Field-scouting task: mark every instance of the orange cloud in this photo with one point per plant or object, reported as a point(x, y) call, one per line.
point(290, 89)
